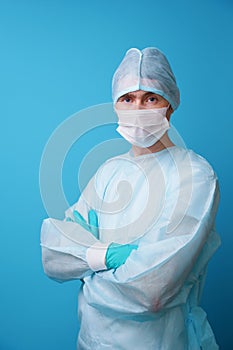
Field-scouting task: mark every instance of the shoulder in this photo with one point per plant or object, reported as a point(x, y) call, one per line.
point(199, 165)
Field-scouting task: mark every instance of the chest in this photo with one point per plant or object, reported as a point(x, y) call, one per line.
point(132, 202)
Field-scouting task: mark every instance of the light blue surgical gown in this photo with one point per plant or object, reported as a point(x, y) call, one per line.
point(166, 203)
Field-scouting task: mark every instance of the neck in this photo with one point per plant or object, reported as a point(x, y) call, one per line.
point(163, 143)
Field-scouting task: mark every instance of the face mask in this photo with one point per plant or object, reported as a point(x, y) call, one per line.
point(142, 127)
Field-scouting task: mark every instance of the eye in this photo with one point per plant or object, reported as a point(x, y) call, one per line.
point(127, 99)
point(152, 99)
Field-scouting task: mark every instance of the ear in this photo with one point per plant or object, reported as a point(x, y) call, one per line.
point(169, 113)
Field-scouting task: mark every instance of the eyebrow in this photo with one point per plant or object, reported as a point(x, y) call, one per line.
point(133, 94)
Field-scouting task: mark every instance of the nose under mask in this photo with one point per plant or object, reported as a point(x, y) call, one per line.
point(142, 127)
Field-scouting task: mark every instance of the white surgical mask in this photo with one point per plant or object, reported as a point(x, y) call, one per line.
point(142, 127)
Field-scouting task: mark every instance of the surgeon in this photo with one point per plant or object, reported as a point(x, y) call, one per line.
point(143, 231)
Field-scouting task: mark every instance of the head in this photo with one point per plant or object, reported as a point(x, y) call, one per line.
point(144, 79)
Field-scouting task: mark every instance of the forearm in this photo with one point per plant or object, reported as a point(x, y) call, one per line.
point(63, 267)
point(66, 250)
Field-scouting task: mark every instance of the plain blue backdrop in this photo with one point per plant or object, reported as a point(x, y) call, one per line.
point(57, 57)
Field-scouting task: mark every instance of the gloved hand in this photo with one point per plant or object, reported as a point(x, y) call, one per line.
point(117, 254)
point(91, 226)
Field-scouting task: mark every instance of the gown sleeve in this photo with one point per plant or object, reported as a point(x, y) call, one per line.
point(66, 245)
point(153, 276)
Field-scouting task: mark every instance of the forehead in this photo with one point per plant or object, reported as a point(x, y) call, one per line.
point(139, 94)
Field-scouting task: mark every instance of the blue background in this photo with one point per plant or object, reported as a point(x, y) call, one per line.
point(58, 57)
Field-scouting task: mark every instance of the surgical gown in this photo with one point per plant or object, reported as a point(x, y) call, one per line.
point(152, 301)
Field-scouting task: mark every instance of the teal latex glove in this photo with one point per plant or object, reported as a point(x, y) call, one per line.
point(91, 226)
point(117, 254)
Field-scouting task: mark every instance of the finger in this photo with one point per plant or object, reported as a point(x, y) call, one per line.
point(93, 222)
point(79, 219)
point(93, 218)
point(69, 220)
point(78, 216)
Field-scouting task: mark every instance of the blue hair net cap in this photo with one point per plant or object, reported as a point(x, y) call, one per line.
point(147, 70)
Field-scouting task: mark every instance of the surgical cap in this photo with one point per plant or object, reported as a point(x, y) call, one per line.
point(147, 70)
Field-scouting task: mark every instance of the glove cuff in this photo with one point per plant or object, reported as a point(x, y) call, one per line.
point(95, 256)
